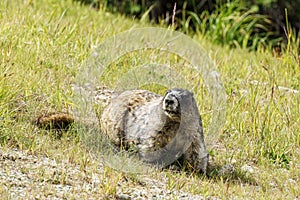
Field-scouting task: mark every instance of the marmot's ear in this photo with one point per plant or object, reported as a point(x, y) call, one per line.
point(168, 91)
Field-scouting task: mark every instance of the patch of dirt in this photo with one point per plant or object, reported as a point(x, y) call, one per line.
point(26, 176)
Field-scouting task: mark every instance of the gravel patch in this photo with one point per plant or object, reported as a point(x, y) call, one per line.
point(26, 176)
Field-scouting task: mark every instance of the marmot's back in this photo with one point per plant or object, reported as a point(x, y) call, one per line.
point(126, 112)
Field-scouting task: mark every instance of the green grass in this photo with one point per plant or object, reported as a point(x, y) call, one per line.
point(237, 26)
point(44, 43)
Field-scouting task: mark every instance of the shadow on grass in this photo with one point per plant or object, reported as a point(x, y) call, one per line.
point(227, 173)
point(216, 172)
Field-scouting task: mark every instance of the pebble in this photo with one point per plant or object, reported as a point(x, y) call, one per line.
point(247, 168)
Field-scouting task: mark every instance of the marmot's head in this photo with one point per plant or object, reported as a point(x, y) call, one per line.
point(171, 105)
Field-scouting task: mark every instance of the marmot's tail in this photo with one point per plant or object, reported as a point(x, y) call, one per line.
point(62, 120)
point(54, 120)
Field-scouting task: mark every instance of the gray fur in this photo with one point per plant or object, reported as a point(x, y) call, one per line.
point(163, 129)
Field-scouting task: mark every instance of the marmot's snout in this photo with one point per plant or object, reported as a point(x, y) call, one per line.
point(171, 105)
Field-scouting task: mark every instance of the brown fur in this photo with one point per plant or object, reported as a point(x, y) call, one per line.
point(54, 120)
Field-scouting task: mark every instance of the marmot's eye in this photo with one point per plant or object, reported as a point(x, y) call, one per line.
point(171, 102)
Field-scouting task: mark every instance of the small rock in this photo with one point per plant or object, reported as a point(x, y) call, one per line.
point(247, 168)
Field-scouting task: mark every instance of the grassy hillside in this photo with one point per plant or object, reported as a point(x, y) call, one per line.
point(44, 43)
